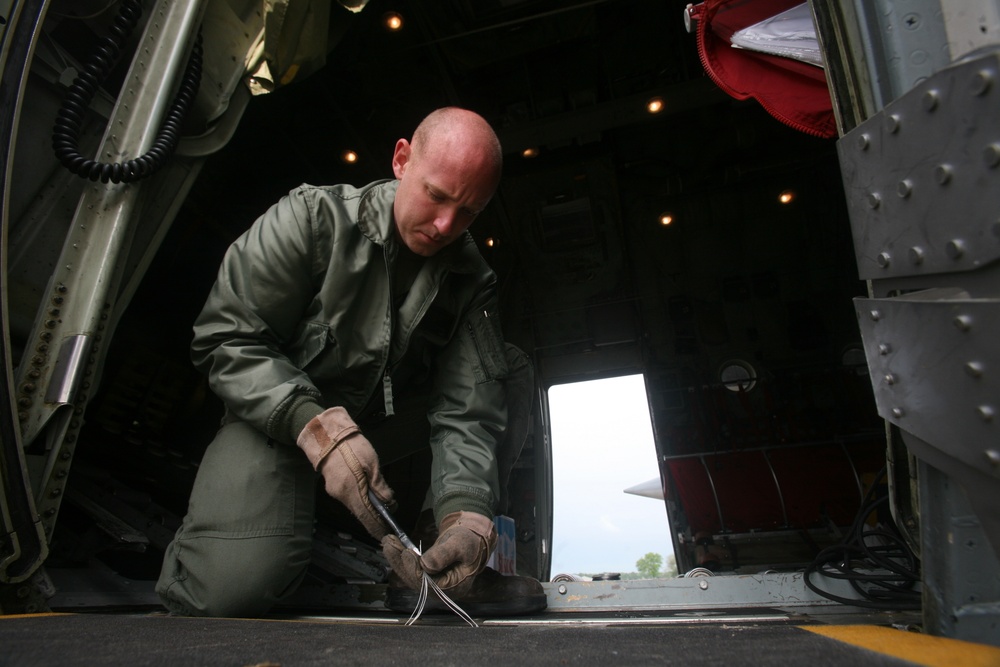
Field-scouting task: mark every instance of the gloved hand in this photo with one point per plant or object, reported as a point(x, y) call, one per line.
point(460, 553)
point(349, 465)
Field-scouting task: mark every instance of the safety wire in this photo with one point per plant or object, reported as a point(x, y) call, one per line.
point(877, 562)
point(428, 582)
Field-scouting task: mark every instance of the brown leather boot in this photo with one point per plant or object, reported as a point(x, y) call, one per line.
point(492, 594)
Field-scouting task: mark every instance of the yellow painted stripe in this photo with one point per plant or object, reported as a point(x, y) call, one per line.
point(912, 646)
point(38, 615)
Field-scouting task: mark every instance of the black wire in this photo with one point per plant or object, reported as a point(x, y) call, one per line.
point(891, 568)
point(66, 133)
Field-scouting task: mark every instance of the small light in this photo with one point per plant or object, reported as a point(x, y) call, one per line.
point(491, 242)
point(666, 219)
point(655, 105)
point(786, 197)
point(392, 21)
point(349, 157)
point(529, 153)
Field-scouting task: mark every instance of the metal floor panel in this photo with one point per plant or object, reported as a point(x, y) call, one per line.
point(157, 639)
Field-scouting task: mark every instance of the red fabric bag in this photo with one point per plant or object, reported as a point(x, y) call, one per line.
point(794, 92)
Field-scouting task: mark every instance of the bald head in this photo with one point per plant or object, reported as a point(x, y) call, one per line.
point(452, 128)
point(447, 172)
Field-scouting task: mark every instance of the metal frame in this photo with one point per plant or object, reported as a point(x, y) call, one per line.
point(915, 86)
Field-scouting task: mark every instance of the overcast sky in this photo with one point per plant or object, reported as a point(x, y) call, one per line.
point(602, 443)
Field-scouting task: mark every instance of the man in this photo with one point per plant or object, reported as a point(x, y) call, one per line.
point(344, 307)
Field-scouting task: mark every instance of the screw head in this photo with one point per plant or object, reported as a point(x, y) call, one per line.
point(942, 174)
point(991, 155)
point(916, 255)
point(883, 259)
point(905, 188)
point(955, 248)
point(982, 81)
point(897, 412)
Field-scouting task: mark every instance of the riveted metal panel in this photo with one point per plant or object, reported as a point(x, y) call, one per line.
point(922, 176)
point(935, 370)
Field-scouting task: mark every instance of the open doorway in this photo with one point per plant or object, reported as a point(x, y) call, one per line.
point(605, 516)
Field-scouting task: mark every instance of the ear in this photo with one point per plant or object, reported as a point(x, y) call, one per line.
point(400, 157)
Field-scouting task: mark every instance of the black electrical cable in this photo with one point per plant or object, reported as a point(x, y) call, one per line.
point(883, 574)
point(66, 133)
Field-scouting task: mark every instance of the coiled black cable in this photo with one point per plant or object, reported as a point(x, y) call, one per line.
point(66, 133)
point(891, 570)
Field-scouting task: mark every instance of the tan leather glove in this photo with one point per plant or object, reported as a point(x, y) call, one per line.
point(349, 465)
point(460, 552)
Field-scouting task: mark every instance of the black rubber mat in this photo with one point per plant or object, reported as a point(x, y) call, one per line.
point(110, 639)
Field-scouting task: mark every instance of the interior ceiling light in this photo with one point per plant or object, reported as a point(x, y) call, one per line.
point(529, 152)
point(786, 197)
point(349, 157)
point(666, 218)
point(393, 21)
point(655, 105)
point(492, 242)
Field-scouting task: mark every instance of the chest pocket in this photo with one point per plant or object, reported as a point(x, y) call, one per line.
point(307, 347)
point(481, 333)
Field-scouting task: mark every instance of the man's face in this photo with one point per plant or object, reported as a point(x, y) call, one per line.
point(442, 188)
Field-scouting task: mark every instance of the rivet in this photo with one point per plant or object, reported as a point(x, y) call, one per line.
point(981, 82)
point(864, 141)
point(61, 289)
point(874, 199)
point(963, 322)
point(23, 416)
point(884, 349)
point(34, 374)
point(883, 259)
point(37, 360)
point(916, 254)
point(942, 174)
point(974, 368)
point(897, 412)
point(28, 387)
point(50, 324)
point(892, 123)
point(991, 155)
point(931, 99)
point(986, 412)
point(58, 300)
point(24, 402)
point(890, 378)
point(955, 248)
point(55, 493)
point(905, 188)
point(875, 315)
point(50, 512)
point(562, 589)
point(703, 585)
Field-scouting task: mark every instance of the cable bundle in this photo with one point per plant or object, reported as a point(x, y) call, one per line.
point(877, 562)
point(66, 133)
